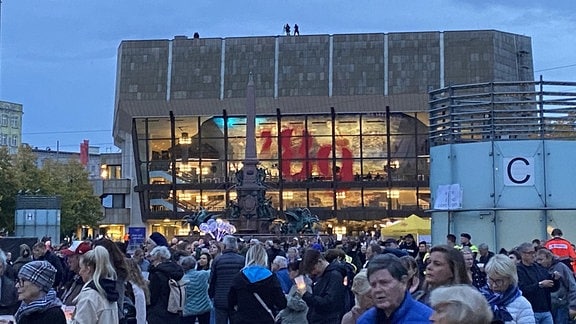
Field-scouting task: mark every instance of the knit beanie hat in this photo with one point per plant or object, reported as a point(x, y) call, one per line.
point(40, 273)
point(159, 239)
point(361, 285)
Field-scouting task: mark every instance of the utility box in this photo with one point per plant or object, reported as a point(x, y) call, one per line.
point(38, 216)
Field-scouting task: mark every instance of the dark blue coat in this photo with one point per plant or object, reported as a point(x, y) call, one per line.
point(224, 268)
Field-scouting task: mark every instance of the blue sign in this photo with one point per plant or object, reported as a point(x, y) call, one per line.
point(137, 237)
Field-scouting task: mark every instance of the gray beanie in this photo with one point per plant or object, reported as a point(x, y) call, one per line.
point(40, 273)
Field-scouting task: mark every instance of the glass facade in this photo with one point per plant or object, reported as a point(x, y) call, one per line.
point(363, 166)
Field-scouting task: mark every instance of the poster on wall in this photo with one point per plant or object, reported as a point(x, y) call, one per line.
point(448, 197)
point(137, 237)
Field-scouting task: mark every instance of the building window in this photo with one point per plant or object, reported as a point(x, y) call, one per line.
point(14, 141)
point(4, 120)
point(14, 122)
point(113, 201)
point(4, 139)
point(111, 171)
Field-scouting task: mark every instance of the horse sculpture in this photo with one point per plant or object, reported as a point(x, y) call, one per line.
point(299, 221)
point(198, 217)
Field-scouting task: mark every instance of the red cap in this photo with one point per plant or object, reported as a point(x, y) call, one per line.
point(78, 247)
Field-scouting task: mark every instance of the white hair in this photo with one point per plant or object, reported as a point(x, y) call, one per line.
point(281, 261)
point(161, 252)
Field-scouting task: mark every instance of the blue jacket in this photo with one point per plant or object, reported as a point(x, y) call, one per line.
point(409, 312)
point(284, 278)
point(197, 300)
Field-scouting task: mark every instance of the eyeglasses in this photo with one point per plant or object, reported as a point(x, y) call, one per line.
point(497, 282)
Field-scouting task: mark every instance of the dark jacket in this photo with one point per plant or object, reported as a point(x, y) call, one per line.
point(255, 279)
point(8, 296)
point(412, 249)
point(55, 261)
point(326, 301)
point(160, 292)
point(224, 268)
point(19, 263)
point(273, 253)
point(71, 290)
point(409, 312)
point(53, 315)
point(565, 296)
point(528, 279)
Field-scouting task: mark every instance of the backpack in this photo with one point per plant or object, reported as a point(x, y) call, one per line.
point(177, 296)
point(129, 302)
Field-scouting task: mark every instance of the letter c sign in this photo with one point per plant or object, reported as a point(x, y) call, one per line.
point(518, 171)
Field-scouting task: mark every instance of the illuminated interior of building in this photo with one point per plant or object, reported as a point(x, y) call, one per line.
point(357, 169)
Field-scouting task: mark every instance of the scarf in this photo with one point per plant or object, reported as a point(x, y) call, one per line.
point(48, 301)
point(498, 301)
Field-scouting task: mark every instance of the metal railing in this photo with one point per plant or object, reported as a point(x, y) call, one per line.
point(503, 111)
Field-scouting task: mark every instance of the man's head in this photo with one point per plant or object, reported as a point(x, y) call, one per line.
point(409, 238)
point(276, 243)
point(373, 250)
point(279, 262)
point(526, 253)
point(483, 249)
point(451, 240)
point(313, 263)
point(230, 243)
point(388, 279)
point(465, 238)
point(38, 250)
point(556, 232)
point(544, 257)
point(423, 247)
point(391, 243)
point(74, 252)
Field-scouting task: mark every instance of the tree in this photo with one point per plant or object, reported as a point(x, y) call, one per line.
point(27, 176)
point(69, 180)
point(8, 190)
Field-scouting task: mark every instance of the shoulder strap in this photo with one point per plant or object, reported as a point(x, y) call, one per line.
point(264, 305)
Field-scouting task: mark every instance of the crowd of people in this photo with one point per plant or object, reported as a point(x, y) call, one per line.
point(296, 280)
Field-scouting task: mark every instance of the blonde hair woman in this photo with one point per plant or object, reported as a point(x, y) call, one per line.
point(96, 302)
point(459, 304)
point(139, 293)
point(256, 293)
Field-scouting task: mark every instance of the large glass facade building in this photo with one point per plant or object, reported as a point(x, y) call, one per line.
point(348, 166)
point(341, 126)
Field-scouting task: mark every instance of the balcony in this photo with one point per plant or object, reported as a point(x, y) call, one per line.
point(111, 186)
point(116, 216)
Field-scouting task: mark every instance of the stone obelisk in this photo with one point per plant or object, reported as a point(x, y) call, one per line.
point(250, 189)
point(250, 163)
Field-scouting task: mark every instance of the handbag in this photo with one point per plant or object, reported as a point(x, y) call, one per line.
point(265, 306)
